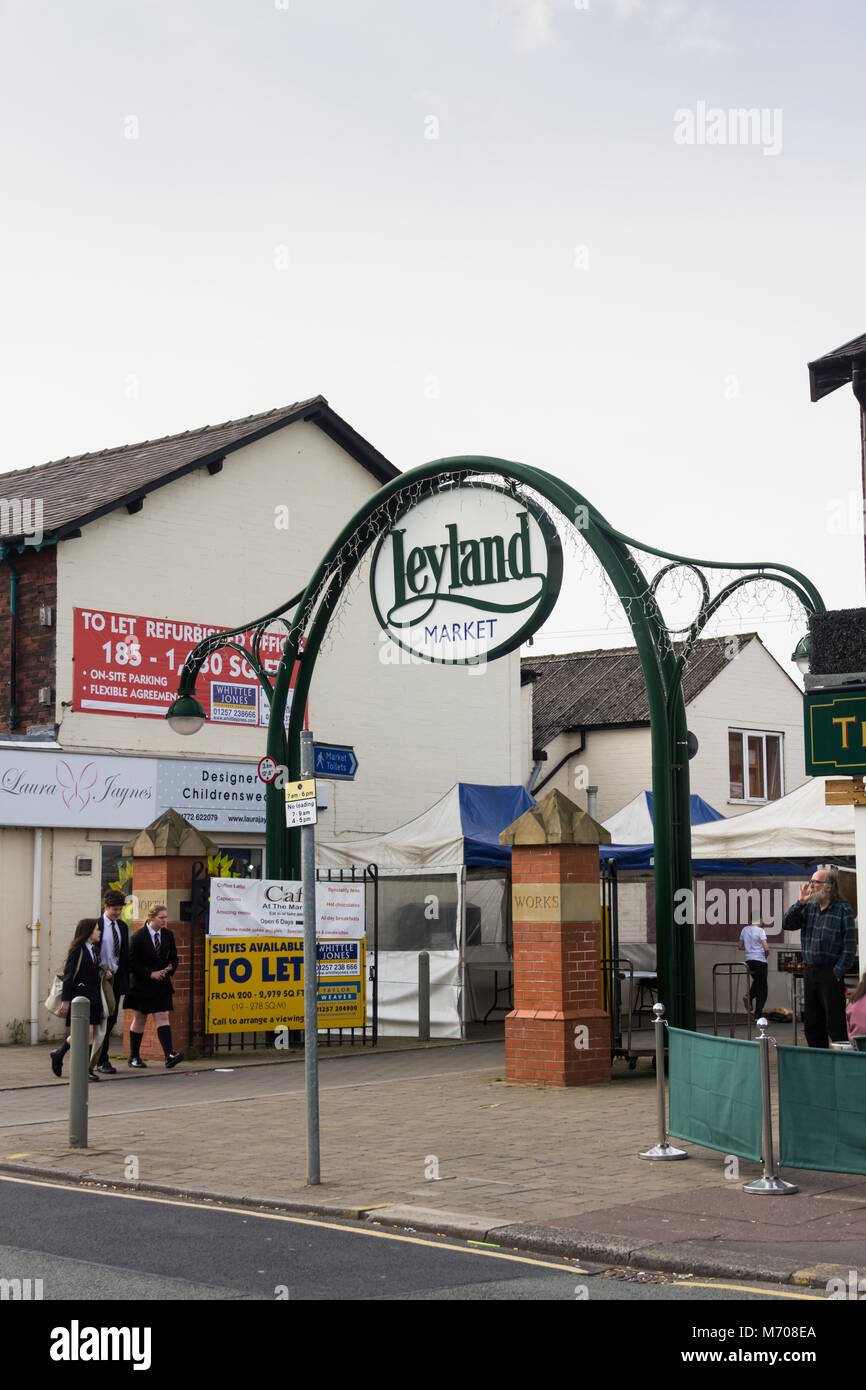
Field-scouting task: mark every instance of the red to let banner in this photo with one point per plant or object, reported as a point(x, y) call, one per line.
point(126, 664)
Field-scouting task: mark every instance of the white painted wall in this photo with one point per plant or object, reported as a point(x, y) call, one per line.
point(205, 549)
point(752, 692)
point(617, 761)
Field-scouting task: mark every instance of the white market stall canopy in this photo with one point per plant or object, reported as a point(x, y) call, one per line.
point(797, 826)
point(461, 829)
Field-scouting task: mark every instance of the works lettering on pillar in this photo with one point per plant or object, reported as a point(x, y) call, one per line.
point(127, 664)
point(466, 575)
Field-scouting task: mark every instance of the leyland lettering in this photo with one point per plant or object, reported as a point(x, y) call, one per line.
point(466, 575)
point(433, 571)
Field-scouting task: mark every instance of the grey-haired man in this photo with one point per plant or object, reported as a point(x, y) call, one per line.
point(826, 926)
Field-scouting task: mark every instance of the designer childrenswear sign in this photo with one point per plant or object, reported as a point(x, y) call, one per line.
point(467, 574)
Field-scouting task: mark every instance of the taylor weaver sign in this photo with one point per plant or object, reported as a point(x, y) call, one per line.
point(466, 574)
point(127, 664)
point(835, 730)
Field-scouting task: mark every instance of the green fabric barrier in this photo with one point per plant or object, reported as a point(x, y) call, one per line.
point(822, 1109)
point(714, 1092)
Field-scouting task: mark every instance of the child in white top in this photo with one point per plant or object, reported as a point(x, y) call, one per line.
point(753, 940)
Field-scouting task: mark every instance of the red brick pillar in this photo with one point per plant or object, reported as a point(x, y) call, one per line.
point(162, 860)
point(557, 1033)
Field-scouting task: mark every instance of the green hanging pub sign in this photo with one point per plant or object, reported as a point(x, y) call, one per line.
point(835, 730)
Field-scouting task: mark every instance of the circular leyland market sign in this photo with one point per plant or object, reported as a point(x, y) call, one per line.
point(467, 574)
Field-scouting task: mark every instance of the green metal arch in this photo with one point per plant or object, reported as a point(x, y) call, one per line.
point(662, 669)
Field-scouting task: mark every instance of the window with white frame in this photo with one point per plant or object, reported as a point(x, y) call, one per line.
point(755, 761)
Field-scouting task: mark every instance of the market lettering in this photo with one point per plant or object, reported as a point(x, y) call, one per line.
point(460, 632)
point(432, 572)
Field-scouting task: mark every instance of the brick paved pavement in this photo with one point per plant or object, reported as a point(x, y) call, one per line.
point(434, 1138)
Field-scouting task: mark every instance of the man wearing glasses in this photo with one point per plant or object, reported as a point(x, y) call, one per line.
point(826, 926)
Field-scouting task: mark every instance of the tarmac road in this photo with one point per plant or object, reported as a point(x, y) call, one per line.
point(85, 1244)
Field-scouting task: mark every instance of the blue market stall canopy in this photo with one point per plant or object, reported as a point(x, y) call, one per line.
point(631, 831)
point(462, 829)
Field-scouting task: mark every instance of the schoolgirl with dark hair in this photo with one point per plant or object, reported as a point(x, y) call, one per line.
point(81, 976)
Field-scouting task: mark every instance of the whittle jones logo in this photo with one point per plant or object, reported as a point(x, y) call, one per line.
point(466, 575)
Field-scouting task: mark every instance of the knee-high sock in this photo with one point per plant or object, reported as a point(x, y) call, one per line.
point(164, 1035)
point(134, 1043)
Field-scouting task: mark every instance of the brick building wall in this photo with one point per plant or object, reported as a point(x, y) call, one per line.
point(35, 644)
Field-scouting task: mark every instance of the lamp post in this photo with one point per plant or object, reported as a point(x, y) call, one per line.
point(802, 655)
point(186, 716)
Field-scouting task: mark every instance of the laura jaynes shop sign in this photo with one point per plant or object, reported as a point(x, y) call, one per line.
point(62, 789)
point(466, 575)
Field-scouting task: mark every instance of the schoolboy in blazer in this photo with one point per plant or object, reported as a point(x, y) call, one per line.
point(114, 955)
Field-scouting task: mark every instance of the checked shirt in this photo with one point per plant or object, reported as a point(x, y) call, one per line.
point(827, 937)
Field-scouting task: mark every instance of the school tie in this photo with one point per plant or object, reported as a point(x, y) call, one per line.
point(116, 940)
point(156, 945)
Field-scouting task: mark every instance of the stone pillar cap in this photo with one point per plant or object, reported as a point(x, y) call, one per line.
point(555, 821)
point(170, 836)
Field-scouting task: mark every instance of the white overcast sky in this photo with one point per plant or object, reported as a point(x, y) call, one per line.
point(553, 278)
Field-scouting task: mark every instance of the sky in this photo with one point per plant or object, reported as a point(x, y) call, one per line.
point(523, 228)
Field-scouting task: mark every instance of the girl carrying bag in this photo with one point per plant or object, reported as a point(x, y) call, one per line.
point(55, 994)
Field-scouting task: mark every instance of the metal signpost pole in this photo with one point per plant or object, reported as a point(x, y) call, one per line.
point(311, 1021)
point(79, 1032)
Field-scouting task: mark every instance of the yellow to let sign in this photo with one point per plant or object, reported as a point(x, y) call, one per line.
point(256, 984)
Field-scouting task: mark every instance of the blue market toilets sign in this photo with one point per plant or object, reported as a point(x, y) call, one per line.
point(467, 574)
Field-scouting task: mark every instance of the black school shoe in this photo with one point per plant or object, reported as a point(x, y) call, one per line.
point(173, 1058)
point(57, 1062)
point(107, 1068)
point(136, 1062)
point(91, 1076)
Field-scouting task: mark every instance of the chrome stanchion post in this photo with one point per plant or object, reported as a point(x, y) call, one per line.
point(770, 1183)
point(79, 1059)
point(661, 1150)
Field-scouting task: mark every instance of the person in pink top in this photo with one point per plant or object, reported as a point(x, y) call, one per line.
point(856, 1010)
